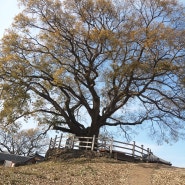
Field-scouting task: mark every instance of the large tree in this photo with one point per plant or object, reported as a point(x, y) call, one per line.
point(80, 65)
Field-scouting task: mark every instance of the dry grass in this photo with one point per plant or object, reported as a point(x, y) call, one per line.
point(99, 171)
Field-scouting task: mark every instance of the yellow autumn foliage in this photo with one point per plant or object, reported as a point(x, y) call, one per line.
point(57, 76)
point(65, 53)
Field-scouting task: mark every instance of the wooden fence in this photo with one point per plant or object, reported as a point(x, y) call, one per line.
point(99, 144)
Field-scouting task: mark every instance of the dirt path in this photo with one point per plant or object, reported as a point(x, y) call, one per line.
point(155, 174)
point(141, 174)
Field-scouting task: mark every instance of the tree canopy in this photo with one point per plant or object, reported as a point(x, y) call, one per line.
point(80, 65)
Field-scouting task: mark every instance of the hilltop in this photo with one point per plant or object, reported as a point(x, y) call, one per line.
point(95, 171)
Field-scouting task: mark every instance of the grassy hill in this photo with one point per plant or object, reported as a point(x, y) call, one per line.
point(96, 171)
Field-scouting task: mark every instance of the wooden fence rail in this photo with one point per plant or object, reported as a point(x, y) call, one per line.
point(99, 144)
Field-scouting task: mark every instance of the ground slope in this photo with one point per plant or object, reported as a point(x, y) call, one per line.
point(92, 172)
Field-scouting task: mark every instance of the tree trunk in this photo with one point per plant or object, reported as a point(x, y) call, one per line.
point(87, 139)
point(83, 134)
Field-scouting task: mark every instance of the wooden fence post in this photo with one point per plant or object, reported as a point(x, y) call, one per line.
point(111, 145)
point(93, 142)
point(87, 143)
point(51, 140)
point(133, 149)
point(148, 151)
point(54, 143)
point(73, 141)
point(142, 150)
point(59, 144)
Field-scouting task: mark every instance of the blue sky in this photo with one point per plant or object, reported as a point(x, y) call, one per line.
point(8, 10)
point(175, 153)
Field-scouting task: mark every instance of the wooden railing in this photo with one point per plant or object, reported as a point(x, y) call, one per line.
point(99, 144)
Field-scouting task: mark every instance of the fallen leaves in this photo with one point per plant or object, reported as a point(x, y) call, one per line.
point(83, 171)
